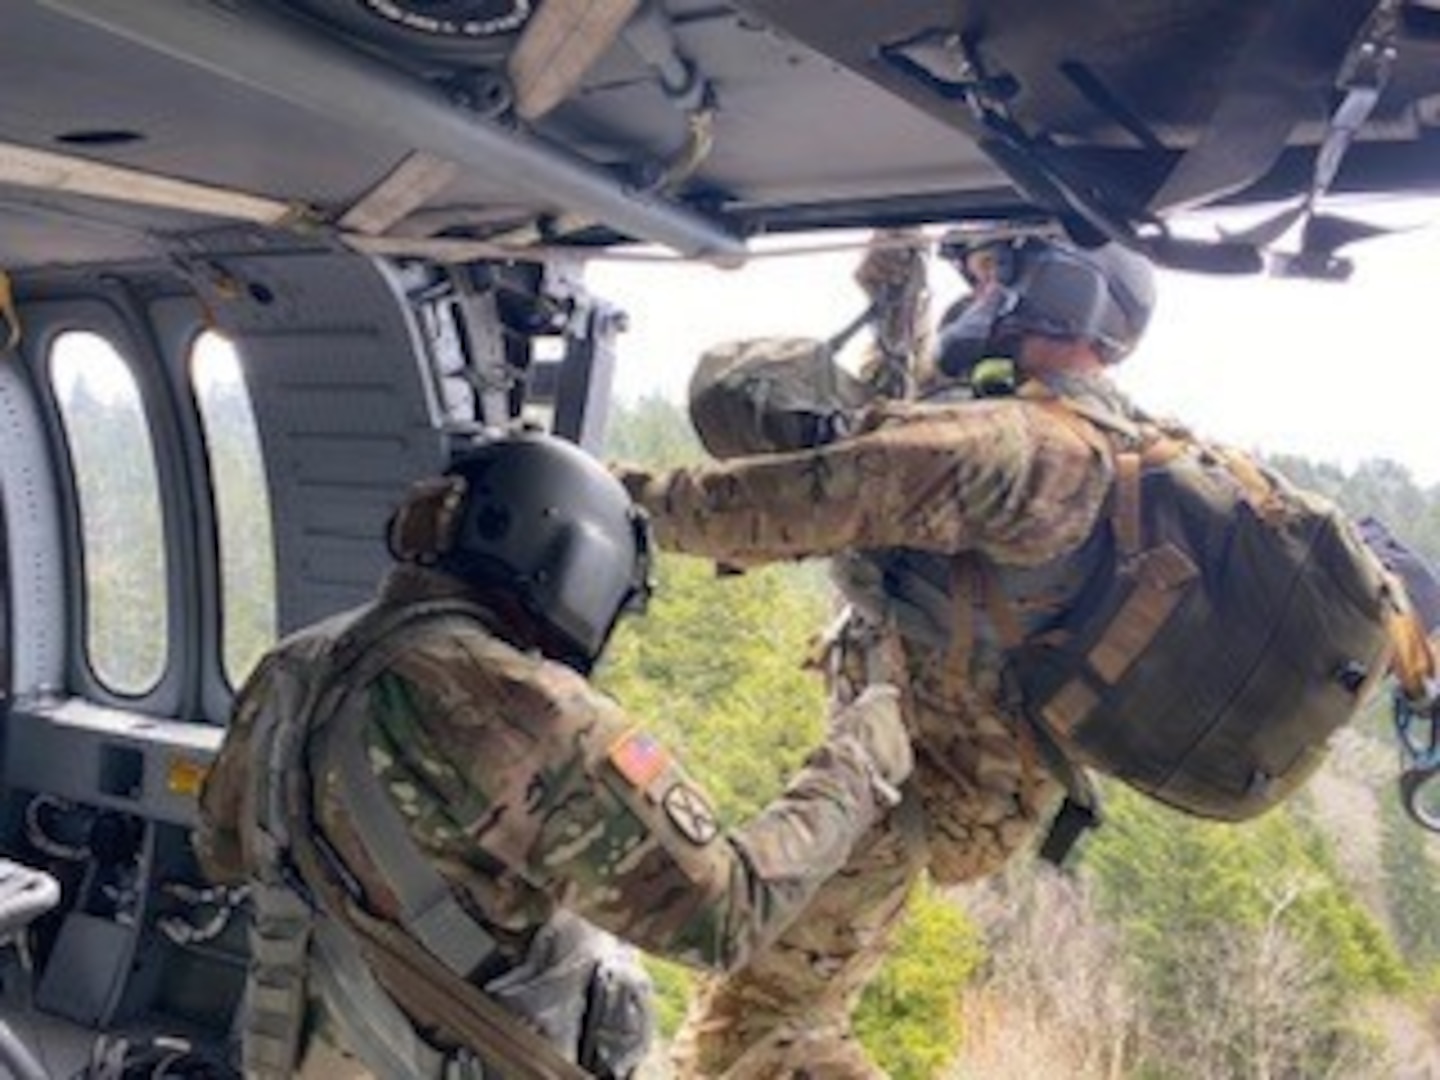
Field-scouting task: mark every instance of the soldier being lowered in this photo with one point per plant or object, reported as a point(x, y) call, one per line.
point(1054, 580)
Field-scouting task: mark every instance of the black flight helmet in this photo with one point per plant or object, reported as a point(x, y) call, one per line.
point(537, 517)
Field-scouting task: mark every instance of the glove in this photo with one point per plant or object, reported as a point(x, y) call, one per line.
point(635, 478)
point(892, 267)
point(873, 720)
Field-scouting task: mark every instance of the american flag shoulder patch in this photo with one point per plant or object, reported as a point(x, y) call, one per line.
point(639, 757)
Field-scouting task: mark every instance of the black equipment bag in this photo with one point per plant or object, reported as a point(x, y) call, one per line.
point(1243, 623)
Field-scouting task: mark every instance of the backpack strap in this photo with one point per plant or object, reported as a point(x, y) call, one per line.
point(1260, 492)
point(986, 591)
point(429, 909)
point(1159, 574)
point(1115, 439)
point(975, 589)
point(1118, 440)
point(1125, 514)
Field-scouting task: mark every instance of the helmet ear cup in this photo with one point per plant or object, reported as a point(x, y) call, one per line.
point(1104, 295)
point(422, 528)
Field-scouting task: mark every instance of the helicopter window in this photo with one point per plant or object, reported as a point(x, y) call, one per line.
point(242, 504)
point(121, 529)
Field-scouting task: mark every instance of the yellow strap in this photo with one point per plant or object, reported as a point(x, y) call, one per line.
point(1125, 515)
point(1159, 448)
point(1081, 424)
point(1069, 708)
point(8, 312)
point(999, 608)
point(404, 190)
point(1259, 491)
point(46, 170)
point(559, 45)
point(1414, 661)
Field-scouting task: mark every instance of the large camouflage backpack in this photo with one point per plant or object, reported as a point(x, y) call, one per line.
point(1239, 623)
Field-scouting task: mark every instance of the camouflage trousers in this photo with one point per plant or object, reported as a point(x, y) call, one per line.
point(975, 797)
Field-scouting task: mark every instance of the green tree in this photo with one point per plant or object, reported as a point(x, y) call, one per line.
point(1249, 948)
point(1412, 887)
point(1380, 488)
point(909, 1017)
point(652, 431)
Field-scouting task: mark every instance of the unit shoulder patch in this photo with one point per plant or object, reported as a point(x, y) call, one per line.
point(691, 813)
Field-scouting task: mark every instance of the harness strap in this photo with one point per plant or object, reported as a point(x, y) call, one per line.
point(373, 1026)
point(428, 906)
point(1007, 629)
point(429, 909)
point(435, 997)
point(1125, 515)
point(842, 337)
point(968, 592)
point(998, 606)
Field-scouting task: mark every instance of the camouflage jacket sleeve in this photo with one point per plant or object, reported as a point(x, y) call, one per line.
point(220, 838)
point(518, 778)
point(1006, 478)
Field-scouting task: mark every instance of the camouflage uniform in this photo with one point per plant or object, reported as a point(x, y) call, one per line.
point(530, 792)
point(1005, 479)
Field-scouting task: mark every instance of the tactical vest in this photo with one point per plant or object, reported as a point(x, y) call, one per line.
point(1217, 627)
point(311, 932)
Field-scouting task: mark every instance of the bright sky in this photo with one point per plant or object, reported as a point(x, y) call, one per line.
point(1336, 372)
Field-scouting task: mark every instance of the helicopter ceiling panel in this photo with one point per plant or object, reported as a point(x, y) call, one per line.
point(528, 125)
